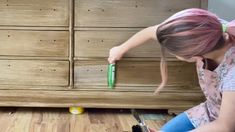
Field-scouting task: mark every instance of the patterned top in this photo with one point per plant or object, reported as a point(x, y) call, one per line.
point(213, 83)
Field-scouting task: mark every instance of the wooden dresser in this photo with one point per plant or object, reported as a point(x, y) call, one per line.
point(53, 53)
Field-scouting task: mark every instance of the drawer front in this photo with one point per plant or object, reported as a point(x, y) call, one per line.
point(32, 72)
point(34, 43)
point(127, 13)
point(98, 44)
point(34, 12)
point(134, 75)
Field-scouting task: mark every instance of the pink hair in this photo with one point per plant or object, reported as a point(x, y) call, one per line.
point(189, 33)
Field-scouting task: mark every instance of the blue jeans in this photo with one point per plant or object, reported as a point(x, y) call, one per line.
point(180, 123)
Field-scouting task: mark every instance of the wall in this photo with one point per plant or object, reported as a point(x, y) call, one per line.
point(223, 8)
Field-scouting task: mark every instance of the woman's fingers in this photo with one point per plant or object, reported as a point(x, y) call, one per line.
point(111, 60)
point(115, 54)
point(152, 130)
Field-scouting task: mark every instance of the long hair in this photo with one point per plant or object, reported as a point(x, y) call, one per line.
point(189, 33)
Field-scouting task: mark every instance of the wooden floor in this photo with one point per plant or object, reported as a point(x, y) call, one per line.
point(60, 120)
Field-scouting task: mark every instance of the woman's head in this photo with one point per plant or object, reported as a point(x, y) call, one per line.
point(192, 32)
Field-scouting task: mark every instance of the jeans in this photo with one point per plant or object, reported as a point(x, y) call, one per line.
point(180, 123)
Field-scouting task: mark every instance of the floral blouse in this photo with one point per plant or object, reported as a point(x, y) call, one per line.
point(213, 83)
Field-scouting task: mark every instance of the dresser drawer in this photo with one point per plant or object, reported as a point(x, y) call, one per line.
point(135, 75)
point(34, 43)
point(127, 13)
point(34, 12)
point(34, 72)
point(98, 44)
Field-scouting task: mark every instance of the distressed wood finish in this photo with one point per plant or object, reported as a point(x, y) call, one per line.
point(28, 72)
point(53, 53)
point(204, 4)
point(71, 44)
point(34, 43)
point(127, 13)
point(133, 75)
point(34, 12)
point(102, 99)
point(98, 43)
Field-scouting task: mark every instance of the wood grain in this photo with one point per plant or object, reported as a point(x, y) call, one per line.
point(134, 75)
point(101, 99)
point(204, 4)
point(29, 72)
point(34, 43)
point(98, 43)
point(60, 120)
point(71, 44)
point(34, 12)
point(41, 40)
point(123, 13)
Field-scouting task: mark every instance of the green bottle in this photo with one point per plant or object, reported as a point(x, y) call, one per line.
point(111, 75)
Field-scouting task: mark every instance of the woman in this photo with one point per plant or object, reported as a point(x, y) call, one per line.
point(196, 35)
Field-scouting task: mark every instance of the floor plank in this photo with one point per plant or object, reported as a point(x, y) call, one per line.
point(60, 120)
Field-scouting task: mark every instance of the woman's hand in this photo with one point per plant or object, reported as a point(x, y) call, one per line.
point(137, 39)
point(115, 54)
point(152, 130)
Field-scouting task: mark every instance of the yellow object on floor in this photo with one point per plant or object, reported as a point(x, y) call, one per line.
point(76, 110)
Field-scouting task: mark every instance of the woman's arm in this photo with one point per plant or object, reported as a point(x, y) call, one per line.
point(226, 119)
point(139, 38)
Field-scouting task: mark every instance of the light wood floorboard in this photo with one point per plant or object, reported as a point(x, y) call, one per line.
point(60, 120)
